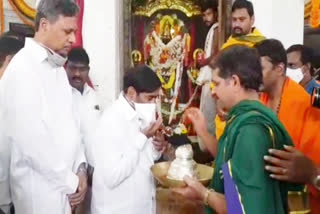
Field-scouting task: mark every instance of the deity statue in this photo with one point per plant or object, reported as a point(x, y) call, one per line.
point(166, 32)
point(165, 50)
point(166, 47)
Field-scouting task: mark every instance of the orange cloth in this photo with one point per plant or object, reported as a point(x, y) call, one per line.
point(302, 122)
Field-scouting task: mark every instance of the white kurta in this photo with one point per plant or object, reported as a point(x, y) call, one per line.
point(205, 72)
point(44, 133)
point(123, 156)
point(207, 103)
point(90, 113)
point(5, 198)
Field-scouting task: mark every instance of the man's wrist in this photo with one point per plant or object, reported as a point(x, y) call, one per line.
point(82, 169)
point(206, 196)
point(205, 136)
point(146, 134)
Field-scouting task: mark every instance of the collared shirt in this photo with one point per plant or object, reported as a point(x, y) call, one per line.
point(43, 132)
point(311, 85)
point(90, 113)
point(122, 179)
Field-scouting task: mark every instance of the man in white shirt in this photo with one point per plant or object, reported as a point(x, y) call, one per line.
point(124, 148)
point(77, 68)
point(8, 48)
point(47, 173)
point(207, 103)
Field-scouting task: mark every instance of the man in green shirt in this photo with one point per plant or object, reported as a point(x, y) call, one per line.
point(240, 184)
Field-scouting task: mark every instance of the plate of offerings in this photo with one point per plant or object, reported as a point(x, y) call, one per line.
point(171, 174)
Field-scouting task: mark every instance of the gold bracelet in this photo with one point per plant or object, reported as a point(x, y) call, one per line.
point(206, 196)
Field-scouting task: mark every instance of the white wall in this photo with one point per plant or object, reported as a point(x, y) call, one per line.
point(9, 15)
point(281, 19)
point(101, 40)
point(101, 27)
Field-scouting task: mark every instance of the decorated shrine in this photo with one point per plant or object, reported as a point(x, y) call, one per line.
point(168, 36)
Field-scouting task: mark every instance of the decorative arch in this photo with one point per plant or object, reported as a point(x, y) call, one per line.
point(150, 7)
point(25, 9)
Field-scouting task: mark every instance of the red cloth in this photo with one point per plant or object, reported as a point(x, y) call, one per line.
point(80, 19)
point(79, 42)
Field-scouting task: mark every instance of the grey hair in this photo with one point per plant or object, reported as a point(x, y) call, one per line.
point(52, 9)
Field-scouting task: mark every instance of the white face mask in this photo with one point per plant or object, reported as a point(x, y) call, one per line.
point(295, 74)
point(54, 59)
point(147, 112)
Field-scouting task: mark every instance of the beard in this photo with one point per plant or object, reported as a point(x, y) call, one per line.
point(208, 24)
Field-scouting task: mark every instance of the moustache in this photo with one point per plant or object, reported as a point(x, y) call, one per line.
point(76, 78)
point(237, 28)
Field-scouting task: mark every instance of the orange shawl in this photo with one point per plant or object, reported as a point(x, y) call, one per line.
point(302, 121)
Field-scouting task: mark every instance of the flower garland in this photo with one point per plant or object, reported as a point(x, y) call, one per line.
point(181, 129)
point(1, 17)
point(314, 17)
point(15, 9)
point(172, 78)
point(193, 74)
point(167, 113)
point(174, 49)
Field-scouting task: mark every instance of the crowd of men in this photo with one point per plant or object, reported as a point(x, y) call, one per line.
point(61, 152)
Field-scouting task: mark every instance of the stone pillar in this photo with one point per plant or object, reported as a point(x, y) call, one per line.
point(282, 20)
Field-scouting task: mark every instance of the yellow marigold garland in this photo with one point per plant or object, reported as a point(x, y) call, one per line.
point(171, 81)
point(307, 10)
point(1, 17)
point(25, 9)
point(314, 17)
point(15, 9)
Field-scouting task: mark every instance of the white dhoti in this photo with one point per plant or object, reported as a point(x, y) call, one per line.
point(207, 102)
